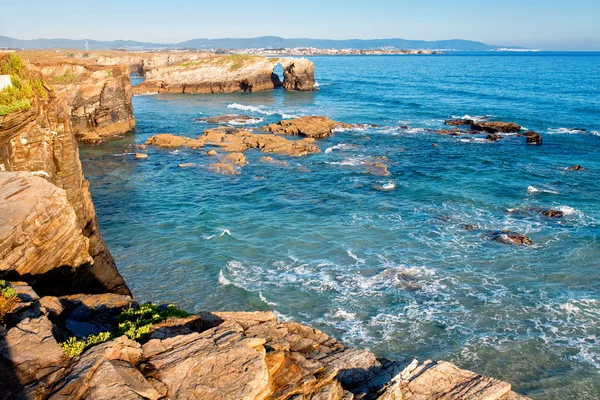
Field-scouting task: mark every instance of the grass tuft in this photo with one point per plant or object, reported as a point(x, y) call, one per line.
point(25, 85)
point(8, 299)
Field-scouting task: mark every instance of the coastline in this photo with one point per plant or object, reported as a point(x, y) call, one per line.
point(256, 335)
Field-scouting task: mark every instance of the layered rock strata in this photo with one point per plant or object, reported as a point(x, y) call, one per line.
point(40, 140)
point(218, 355)
point(227, 74)
point(99, 97)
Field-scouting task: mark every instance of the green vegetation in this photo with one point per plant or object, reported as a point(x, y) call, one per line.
point(135, 323)
point(66, 78)
point(73, 347)
point(25, 85)
point(235, 61)
point(8, 299)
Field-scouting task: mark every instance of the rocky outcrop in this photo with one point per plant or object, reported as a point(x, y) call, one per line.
point(227, 74)
point(459, 122)
point(238, 140)
point(510, 237)
point(533, 137)
point(496, 126)
point(99, 97)
point(37, 219)
point(40, 140)
point(213, 355)
point(311, 127)
point(298, 74)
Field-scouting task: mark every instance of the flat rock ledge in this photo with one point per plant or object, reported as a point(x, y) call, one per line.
point(216, 355)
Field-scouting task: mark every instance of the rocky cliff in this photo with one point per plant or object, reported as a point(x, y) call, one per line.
point(216, 356)
point(40, 140)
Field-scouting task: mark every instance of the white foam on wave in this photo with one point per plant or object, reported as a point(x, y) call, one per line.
point(316, 84)
point(146, 94)
point(533, 189)
point(475, 118)
point(341, 146)
point(261, 109)
point(566, 210)
point(389, 186)
point(222, 280)
point(221, 233)
point(264, 300)
point(256, 120)
point(569, 131)
point(355, 257)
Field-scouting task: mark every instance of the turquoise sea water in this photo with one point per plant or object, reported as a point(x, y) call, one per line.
point(391, 270)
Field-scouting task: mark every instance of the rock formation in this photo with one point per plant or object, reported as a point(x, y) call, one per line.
point(496, 126)
point(99, 97)
point(533, 137)
point(298, 74)
point(227, 74)
point(40, 140)
point(311, 127)
point(238, 140)
point(218, 355)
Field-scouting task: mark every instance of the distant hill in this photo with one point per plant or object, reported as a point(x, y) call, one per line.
point(247, 43)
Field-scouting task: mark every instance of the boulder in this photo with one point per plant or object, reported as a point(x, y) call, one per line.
point(298, 74)
point(533, 137)
point(510, 237)
point(459, 122)
point(312, 127)
point(493, 137)
point(496, 126)
point(169, 140)
point(551, 213)
point(212, 153)
point(235, 159)
point(141, 155)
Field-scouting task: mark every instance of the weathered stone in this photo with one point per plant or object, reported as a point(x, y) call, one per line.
point(141, 155)
point(298, 74)
point(39, 231)
point(312, 127)
point(493, 137)
point(510, 237)
point(496, 126)
point(459, 122)
point(533, 137)
point(575, 167)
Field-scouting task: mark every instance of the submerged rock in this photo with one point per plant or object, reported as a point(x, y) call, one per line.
point(575, 167)
point(493, 137)
point(551, 213)
point(470, 227)
point(496, 126)
point(271, 160)
point(141, 155)
point(223, 169)
point(450, 132)
point(312, 127)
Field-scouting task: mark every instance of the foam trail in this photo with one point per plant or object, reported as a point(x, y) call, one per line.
point(355, 257)
point(222, 280)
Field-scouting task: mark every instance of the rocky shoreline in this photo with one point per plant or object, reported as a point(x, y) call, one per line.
point(71, 329)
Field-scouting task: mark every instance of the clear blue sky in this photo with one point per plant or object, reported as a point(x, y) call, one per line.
point(545, 24)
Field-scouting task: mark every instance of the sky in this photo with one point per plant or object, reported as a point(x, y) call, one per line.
point(540, 24)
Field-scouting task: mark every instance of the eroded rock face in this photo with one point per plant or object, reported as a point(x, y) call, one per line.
point(40, 140)
point(496, 126)
point(298, 74)
point(99, 97)
point(312, 127)
point(37, 219)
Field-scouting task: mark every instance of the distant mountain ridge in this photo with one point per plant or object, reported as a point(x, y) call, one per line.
point(258, 42)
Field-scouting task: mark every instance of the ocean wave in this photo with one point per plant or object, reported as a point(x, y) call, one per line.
point(341, 146)
point(261, 109)
point(533, 190)
point(221, 233)
point(570, 131)
point(355, 257)
point(480, 118)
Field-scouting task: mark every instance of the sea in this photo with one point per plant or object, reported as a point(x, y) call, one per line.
point(384, 262)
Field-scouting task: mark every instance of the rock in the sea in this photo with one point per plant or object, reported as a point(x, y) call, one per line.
point(450, 132)
point(575, 167)
point(469, 227)
point(233, 119)
point(235, 158)
point(212, 153)
point(141, 155)
point(459, 122)
point(496, 126)
point(238, 140)
point(271, 160)
point(493, 137)
point(312, 127)
point(223, 169)
point(298, 74)
point(551, 213)
point(533, 137)
point(510, 237)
